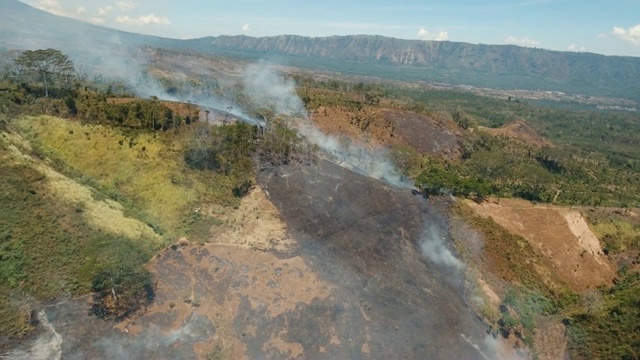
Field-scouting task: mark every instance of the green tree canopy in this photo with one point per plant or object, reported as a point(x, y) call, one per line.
point(45, 65)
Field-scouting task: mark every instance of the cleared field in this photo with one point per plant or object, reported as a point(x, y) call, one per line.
point(561, 237)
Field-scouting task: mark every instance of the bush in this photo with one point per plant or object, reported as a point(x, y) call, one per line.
point(120, 291)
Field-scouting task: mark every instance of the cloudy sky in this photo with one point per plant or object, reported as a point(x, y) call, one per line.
point(609, 27)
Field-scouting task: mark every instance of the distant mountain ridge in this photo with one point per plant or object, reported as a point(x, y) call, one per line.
point(501, 66)
point(493, 66)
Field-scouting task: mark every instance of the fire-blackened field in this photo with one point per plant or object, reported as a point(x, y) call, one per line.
point(345, 280)
point(365, 238)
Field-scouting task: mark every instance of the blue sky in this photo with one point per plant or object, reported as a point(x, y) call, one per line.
point(609, 27)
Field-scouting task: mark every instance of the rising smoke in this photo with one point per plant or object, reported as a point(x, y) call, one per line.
point(114, 59)
point(154, 343)
point(433, 247)
point(270, 89)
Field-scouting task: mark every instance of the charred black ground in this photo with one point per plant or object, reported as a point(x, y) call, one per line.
point(364, 237)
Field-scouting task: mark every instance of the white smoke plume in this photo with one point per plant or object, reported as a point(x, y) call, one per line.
point(267, 87)
point(492, 349)
point(434, 248)
point(128, 65)
point(270, 89)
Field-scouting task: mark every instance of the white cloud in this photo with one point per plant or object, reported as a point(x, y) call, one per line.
point(442, 36)
point(125, 5)
point(245, 27)
point(631, 34)
point(424, 34)
point(523, 41)
point(55, 8)
point(574, 47)
point(51, 6)
point(143, 20)
point(96, 20)
point(105, 10)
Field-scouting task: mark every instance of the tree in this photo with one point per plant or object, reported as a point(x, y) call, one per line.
point(120, 291)
point(46, 66)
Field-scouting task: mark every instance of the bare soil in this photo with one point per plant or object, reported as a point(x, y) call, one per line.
point(560, 235)
point(551, 341)
point(519, 130)
point(388, 126)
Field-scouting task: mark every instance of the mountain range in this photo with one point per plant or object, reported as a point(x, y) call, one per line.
point(455, 63)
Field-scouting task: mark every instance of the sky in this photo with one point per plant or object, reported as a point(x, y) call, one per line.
point(610, 27)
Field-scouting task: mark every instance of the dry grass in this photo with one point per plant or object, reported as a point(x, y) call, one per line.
point(105, 215)
point(147, 168)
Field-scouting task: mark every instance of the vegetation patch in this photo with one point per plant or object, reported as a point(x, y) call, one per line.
point(618, 231)
point(48, 249)
point(120, 291)
point(607, 326)
point(512, 258)
point(145, 170)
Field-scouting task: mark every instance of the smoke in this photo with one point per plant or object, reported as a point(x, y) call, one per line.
point(153, 343)
point(270, 89)
point(492, 349)
point(117, 58)
point(433, 247)
point(46, 346)
point(129, 65)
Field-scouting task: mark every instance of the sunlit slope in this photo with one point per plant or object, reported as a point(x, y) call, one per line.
point(57, 234)
point(145, 169)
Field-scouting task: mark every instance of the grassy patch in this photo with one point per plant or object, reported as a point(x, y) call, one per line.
point(612, 330)
point(143, 170)
point(47, 249)
point(512, 258)
point(618, 233)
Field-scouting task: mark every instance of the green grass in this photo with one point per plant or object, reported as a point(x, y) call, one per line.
point(618, 235)
point(612, 331)
point(143, 170)
point(47, 249)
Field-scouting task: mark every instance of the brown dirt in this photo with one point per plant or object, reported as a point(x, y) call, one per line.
point(221, 283)
point(365, 124)
point(521, 131)
point(353, 284)
point(426, 134)
point(255, 224)
point(551, 341)
point(560, 235)
point(387, 126)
